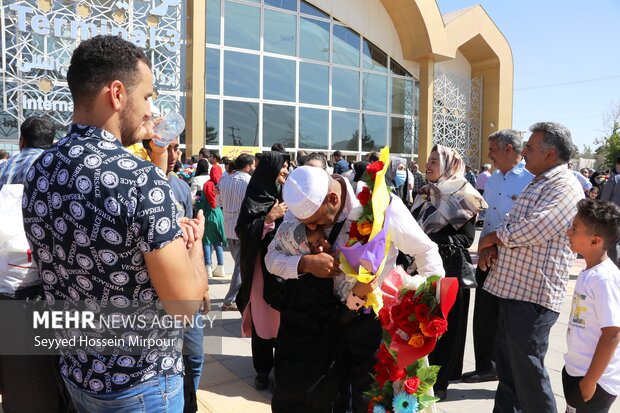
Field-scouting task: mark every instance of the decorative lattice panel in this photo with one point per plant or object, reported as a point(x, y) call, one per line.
point(39, 36)
point(457, 115)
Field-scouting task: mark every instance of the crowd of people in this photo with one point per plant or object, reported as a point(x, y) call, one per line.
point(109, 221)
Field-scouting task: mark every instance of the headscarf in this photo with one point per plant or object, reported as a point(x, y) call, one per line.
point(451, 200)
point(216, 174)
point(202, 168)
point(260, 197)
point(359, 168)
point(209, 187)
point(390, 177)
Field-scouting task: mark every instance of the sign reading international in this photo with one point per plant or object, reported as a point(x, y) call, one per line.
point(39, 36)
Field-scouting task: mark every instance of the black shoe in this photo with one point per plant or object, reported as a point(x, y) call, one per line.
point(479, 377)
point(441, 394)
point(261, 382)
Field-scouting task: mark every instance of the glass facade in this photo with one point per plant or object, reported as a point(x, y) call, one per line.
point(296, 75)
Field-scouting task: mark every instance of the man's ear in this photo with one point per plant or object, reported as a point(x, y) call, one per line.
point(118, 94)
point(332, 199)
point(22, 143)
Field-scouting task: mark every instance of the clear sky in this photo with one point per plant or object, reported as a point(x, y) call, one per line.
point(566, 60)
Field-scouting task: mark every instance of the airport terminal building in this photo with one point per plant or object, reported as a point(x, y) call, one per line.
point(348, 75)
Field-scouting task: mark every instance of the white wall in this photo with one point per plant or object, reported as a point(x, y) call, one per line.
point(370, 19)
point(459, 66)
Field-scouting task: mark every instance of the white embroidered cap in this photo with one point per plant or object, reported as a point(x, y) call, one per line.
point(305, 190)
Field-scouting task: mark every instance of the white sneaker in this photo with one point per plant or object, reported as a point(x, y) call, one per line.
point(218, 271)
point(209, 272)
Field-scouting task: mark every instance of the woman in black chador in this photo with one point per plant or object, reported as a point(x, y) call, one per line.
point(258, 299)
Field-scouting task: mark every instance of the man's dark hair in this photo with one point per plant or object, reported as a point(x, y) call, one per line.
point(216, 155)
point(194, 159)
point(101, 60)
point(38, 132)
point(258, 155)
point(301, 160)
point(278, 147)
point(602, 218)
point(204, 152)
point(244, 160)
point(338, 154)
point(373, 157)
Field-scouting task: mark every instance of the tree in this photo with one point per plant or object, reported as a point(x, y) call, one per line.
point(210, 134)
point(587, 152)
point(609, 147)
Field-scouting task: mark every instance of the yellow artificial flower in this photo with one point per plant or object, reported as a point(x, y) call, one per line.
point(416, 340)
point(365, 228)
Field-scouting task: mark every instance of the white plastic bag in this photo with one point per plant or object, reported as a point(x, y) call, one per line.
point(16, 267)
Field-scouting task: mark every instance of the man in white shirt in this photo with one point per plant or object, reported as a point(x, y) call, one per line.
point(326, 202)
point(583, 181)
point(483, 178)
point(502, 189)
point(232, 191)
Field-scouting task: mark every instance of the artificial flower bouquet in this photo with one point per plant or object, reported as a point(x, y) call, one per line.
point(413, 318)
point(363, 257)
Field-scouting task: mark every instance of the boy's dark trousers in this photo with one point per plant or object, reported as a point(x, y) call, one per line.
point(599, 403)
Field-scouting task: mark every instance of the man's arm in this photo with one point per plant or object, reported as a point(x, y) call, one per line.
point(178, 276)
point(288, 267)
point(549, 218)
point(408, 237)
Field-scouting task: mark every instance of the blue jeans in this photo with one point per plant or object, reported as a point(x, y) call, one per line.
point(219, 253)
point(161, 394)
point(522, 341)
point(235, 281)
point(193, 354)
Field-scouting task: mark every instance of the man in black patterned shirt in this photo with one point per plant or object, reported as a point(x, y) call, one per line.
point(104, 232)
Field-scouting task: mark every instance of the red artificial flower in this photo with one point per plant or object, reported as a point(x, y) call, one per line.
point(398, 374)
point(408, 327)
point(373, 168)
point(382, 373)
point(399, 314)
point(410, 301)
point(364, 196)
point(435, 328)
point(422, 313)
point(385, 357)
point(384, 316)
point(411, 385)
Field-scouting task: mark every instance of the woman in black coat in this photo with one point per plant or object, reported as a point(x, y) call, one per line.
point(260, 214)
point(446, 210)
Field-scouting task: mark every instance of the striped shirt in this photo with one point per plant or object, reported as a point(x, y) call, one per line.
point(232, 191)
point(14, 170)
point(533, 264)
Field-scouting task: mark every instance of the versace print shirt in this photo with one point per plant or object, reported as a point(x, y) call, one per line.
point(91, 210)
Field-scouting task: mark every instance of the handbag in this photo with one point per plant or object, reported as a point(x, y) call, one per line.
point(456, 265)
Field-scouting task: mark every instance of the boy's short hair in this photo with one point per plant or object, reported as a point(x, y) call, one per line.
point(602, 218)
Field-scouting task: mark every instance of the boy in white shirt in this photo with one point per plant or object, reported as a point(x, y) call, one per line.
point(591, 375)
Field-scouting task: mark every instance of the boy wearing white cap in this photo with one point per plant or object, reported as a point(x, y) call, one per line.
point(310, 338)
